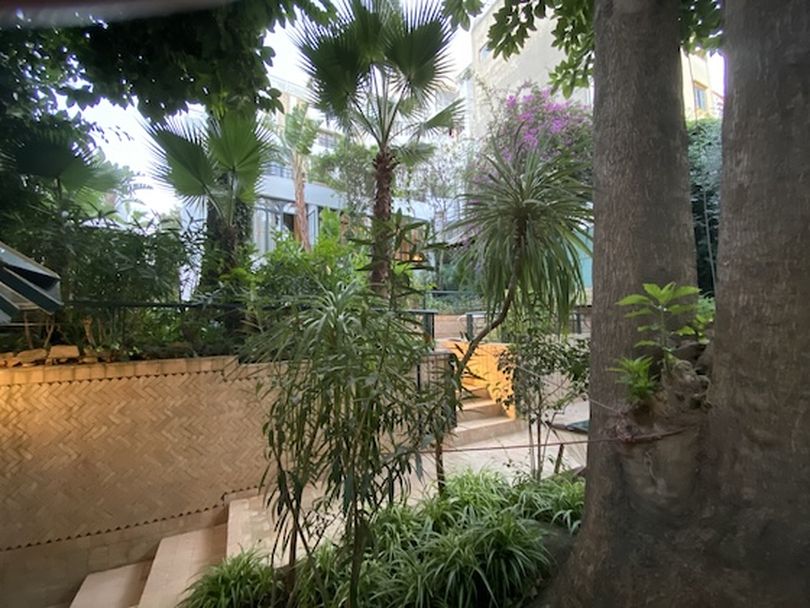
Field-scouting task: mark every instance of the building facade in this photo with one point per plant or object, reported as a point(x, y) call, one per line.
point(488, 78)
point(275, 211)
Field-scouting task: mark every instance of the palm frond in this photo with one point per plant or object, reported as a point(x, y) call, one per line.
point(529, 215)
point(414, 152)
point(241, 146)
point(444, 120)
point(417, 49)
point(181, 160)
point(377, 64)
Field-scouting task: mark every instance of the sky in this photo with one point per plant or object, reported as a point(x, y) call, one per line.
point(128, 143)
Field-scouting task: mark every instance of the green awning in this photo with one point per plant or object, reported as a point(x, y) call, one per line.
point(25, 285)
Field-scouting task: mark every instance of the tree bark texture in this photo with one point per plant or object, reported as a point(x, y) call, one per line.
point(301, 224)
point(384, 165)
point(758, 490)
point(637, 493)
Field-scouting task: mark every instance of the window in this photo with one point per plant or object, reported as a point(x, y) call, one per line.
point(327, 140)
point(701, 102)
point(280, 170)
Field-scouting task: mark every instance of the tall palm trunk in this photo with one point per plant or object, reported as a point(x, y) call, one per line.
point(301, 224)
point(643, 233)
point(384, 165)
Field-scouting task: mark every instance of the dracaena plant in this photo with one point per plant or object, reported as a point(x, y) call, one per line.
point(526, 222)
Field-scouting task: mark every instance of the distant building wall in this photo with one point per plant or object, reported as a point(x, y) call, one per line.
point(537, 60)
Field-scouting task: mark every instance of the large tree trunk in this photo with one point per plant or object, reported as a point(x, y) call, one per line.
point(759, 430)
point(643, 233)
point(301, 220)
point(384, 165)
point(716, 515)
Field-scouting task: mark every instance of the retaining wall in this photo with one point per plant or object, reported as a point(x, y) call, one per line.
point(98, 462)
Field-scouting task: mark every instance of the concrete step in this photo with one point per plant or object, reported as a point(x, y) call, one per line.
point(478, 409)
point(478, 391)
point(115, 588)
point(179, 561)
point(472, 431)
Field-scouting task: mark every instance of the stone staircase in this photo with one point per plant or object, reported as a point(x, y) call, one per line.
point(179, 559)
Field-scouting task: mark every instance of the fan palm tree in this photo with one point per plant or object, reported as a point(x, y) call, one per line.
point(72, 184)
point(377, 68)
point(297, 137)
point(218, 165)
point(527, 221)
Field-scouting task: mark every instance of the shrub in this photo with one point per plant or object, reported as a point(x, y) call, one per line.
point(242, 581)
point(481, 544)
point(558, 500)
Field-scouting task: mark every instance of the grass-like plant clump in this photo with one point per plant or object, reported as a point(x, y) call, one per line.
point(480, 544)
point(242, 581)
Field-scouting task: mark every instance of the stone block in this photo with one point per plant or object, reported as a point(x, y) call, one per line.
point(63, 352)
point(36, 355)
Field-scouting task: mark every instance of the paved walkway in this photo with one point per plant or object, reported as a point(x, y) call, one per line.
point(251, 524)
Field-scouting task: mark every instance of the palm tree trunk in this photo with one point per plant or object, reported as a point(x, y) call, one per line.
point(301, 219)
point(384, 165)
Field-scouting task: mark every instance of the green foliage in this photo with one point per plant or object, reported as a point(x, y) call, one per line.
point(527, 221)
point(348, 169)
point(299, 132)
point(700, 25)
point(377, 68)
point(377, 65)
point(671, 311)
point(290, 275)
point(216, 57)
point(558, 500)
point(242, 581)
point(639, 377)
point(548, 372)
point(216, 165)
point(533, 359)
point(479, 544)
point(346, 413)
point(705, 168)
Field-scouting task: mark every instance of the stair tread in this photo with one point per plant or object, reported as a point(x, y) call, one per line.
point(484, 422)
point(179, 560)
point(114, 588)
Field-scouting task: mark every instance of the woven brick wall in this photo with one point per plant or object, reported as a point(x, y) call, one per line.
point(90, 448)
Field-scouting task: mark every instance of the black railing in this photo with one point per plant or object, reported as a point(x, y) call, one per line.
point(124, 330)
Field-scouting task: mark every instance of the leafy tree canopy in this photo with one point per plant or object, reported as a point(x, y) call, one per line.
point(700, 23)
point(217, 57)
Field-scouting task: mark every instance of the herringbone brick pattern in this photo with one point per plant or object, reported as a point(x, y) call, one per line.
point(135, 444)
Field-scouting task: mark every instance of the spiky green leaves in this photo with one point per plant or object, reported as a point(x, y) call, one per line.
point(527, 219)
